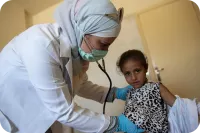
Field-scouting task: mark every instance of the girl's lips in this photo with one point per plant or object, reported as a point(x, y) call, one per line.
point(137, 82)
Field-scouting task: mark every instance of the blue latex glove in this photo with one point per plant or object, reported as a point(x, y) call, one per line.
point(125, 125)
point(121, 93)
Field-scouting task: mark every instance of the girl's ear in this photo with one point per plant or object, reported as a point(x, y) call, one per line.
point(147, 67)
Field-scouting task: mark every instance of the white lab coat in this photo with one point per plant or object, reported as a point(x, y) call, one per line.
point(33, 91)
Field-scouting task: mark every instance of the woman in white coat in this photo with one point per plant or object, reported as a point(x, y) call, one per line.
point(44, 67)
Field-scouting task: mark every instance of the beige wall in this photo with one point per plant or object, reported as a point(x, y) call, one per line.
point(45, 16)
point(171, 33)
point(12, 22)
point(130, 6)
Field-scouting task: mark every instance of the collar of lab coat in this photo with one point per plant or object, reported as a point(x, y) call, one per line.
point(65, 54)
point(65, 49)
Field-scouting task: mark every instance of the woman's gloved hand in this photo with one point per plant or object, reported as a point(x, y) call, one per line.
point(122, 124)
point(125, 125)
point(120, 93)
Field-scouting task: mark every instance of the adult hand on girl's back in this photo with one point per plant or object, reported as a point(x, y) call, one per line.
point(121, 93)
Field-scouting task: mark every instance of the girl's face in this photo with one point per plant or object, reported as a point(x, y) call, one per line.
point(134, 73)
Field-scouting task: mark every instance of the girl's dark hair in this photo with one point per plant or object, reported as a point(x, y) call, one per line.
point(133, 54)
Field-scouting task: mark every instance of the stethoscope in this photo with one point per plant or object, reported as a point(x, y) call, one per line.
point(103, 69)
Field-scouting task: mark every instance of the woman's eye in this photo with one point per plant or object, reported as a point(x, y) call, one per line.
point(104, 45)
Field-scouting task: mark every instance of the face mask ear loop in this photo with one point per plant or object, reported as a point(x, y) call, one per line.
point(87, 43)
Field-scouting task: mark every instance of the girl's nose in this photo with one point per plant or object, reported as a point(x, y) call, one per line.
point(134, 77)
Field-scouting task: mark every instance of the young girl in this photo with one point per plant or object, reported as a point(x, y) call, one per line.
point(146, 102)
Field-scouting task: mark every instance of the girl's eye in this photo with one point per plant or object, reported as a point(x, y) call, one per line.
point(127, 74)
point(137, 70)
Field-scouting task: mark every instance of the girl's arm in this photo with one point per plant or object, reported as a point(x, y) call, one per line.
point(167, 96)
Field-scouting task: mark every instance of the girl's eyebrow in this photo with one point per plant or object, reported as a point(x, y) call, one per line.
point(137, 68)
point(126, 72)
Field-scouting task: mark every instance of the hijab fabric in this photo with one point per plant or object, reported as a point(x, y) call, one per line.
point(80, 17)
